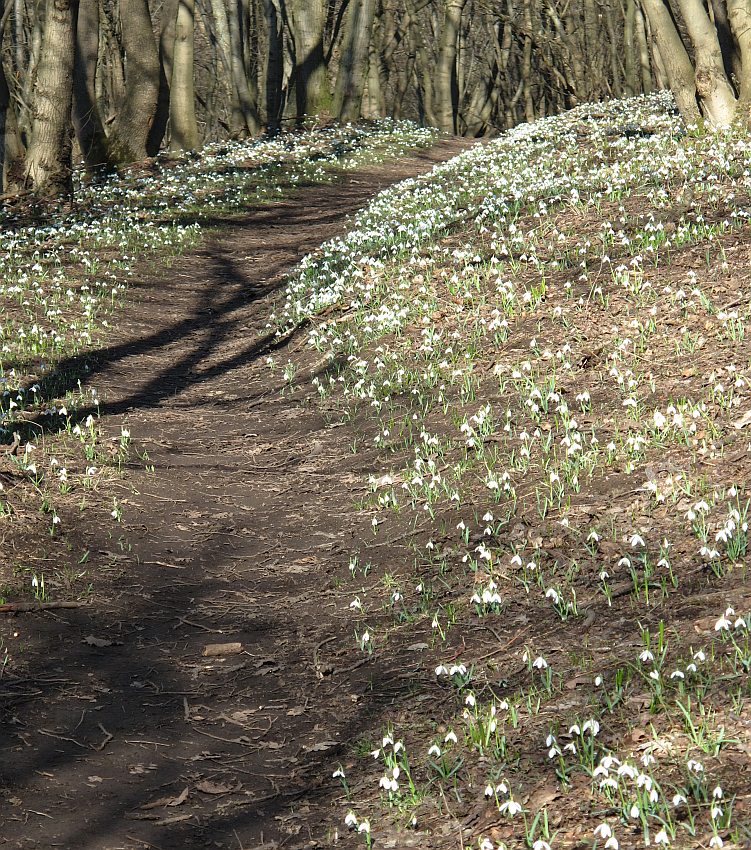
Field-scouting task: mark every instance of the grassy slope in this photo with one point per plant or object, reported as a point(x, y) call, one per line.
point(541, 350)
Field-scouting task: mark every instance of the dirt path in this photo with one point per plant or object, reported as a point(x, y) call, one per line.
point(238, 536)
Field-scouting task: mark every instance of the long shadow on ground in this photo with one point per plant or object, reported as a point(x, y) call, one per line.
point(121, 732)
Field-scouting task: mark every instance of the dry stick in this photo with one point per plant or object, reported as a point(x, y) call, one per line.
point(19, 607)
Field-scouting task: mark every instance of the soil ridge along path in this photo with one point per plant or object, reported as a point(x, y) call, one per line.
point(131, 729)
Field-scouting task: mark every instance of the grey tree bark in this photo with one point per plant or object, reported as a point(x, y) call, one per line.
point(132, 125)
point(87, 121)
point(183, 126)
point(355, 56)
point(311, 86)
point(678, 67)
point(445, 91)
point(48, 159)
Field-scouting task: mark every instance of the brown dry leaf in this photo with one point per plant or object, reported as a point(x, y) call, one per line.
point(321, 746)
point(296, 711)
point(744, 420)
point(95, 641)
point(543, 797)
point(180, 799)
point(213, 650)
point(209, 787)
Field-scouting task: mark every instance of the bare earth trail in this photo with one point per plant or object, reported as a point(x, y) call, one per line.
point(237, 536)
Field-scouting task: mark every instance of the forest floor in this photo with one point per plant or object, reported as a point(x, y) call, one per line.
point(118, 730)
point(425, 527)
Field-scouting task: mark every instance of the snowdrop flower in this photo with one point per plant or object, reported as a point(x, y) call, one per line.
point(510, 807)
point(435, 750)
point(715, 842)
point(364, 826)
point(540, 663)
point(662, 839)
point(636, 540)
point(634, 812)
point(338, 773)
point(450, 738)
point(540, 845)
point(351, 819)
point(678, 800)
point(723, 624)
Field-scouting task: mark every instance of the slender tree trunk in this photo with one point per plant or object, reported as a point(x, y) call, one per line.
point(244, 83)
point(11, 150)
point(166, 52)
point(731, 57)
point(355, 54)
point(183, 127)
point(132, 127)
point(446, 94)
point(645, 65)
point(311, 87)
point(86, 119)
point(274, 74)
point(224, 45)
point(631, 83)
point(739, 15)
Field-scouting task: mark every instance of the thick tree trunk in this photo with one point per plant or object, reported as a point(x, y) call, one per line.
point(183, 127)
point(712, 85)
point(48, 160)
point(355, 55)
point(86, 119)
point(131, 128)
point(678, 67)
point(445, 92)
point(311, 87)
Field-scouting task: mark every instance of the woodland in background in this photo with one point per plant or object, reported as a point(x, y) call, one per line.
point(115, 81)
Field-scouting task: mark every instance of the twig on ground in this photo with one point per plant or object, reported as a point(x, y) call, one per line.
point(22, 607)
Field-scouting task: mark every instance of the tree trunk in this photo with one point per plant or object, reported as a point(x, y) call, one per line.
point(353, 66)
point(642, 41)
point(274, 74)
point(131, 128)
point(311, 86)
point(739, 15)
point(678, 67)
point(445, 92)
point(86, 119)
point(11, 149)
point(224, 45)
point(166, 52)
point(246, 90)
point(712, 85)
point(183, 127)
point(48, 160)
